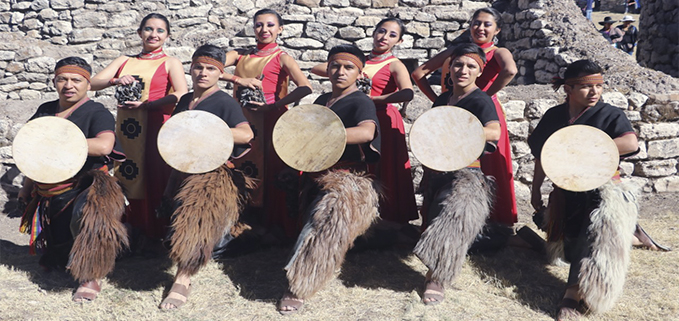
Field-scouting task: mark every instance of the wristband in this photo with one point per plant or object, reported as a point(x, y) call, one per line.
point(112, 81)
point(234, 79)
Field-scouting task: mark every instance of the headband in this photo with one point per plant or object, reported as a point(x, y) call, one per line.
point(474, 56)
point(347, 56)
point(72, 69)
point(584, 80)
point(208, 60)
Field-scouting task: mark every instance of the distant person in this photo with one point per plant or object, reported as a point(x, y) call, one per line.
point(613, 35)
point(629, 38)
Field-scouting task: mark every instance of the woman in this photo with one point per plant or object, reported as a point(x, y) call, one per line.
point(390, 83)
point(144, 174)
point(610, 33)
point(630, 35)
point(498, 71)
point(457, 203)
point(268, 68)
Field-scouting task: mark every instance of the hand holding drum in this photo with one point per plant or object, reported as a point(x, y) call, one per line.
point(579, 158)
point(447, 138)
point(309, 138)
point(50, 149)
point(195, 142)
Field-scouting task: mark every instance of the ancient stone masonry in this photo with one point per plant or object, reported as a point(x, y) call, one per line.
point(543, 35)
point(658, 46)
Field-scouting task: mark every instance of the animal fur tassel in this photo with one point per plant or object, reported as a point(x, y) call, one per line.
point(444, 244)
point(102, 234)
point(210, 204)
point(602, 274)
point(348, 205)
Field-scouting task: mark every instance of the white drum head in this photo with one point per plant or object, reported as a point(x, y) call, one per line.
point(195, 142)
point(579, 158)
point(309, 138)
point(447, 138)
point(50, 149)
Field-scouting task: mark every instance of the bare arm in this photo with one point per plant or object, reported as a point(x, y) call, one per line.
point(420, 74)
point(101, 79)
point(320, 70)
point(363, 133)
point(101, 145)
point(626, 144)
point(492, 131)
point(25, 191)
point(405, 92)
point(231, 60)
point(507, 71)
point(297, 76)
point(538, 179)
point(242, 134)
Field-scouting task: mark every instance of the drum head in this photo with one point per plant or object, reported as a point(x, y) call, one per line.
point(447, 138)
point(309, 138)
point(50, 149)
point(579, 158)
point(195, 142)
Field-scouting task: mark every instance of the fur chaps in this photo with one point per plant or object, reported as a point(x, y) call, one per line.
point(602, 274)
point(210, 205)
point(102, 235)
point(344, 210)
point(444, 244)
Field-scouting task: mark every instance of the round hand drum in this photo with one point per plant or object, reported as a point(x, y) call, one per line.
point(309, 138)
point(50, 149)
point(579, 158)
point(195, 142)
point(447, 138)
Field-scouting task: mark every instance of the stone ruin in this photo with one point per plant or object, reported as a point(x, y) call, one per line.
point(543, 35)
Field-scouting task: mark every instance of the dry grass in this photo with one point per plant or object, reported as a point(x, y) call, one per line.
point(514, 284)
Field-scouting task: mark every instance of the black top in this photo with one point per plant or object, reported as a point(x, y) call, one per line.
point(477, 102)
point(610, 119)
point(223, 106)
point(93, 119)
point(354, 109)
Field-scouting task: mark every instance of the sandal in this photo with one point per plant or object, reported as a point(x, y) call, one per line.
point(180, 291)
point(87, 292)
point(647, 242)
point(433, 293)
point(569, 309)
point(290, 301)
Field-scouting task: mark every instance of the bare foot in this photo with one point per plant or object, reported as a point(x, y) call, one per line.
point(87, 292)
point(179, 293)
point(289, 304)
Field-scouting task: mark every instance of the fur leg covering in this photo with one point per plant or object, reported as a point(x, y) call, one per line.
point(210, 204)
point(102, 234)
point(602, 274)
point(344, 210)
point(444, 244)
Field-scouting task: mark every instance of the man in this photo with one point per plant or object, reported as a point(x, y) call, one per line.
point(598, 256)
point(629, 39)
point(78, 219)
point(209, 204)
point(346, 201)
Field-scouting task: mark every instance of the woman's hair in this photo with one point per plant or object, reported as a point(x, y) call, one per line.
point(268, 11)
point(469, 48)
point(582, 68)
point(398, 21)
point(491, 11)
point(155, 16)
point(351, 49)
point(211, 51)
point(73, 61)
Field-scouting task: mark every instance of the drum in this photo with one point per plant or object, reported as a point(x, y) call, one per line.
point(50, 149)
point(447, 138)
point(195, 142)
point(309, 138)
point(579, 158)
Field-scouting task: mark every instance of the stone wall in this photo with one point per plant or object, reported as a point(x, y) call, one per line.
point(543, 35)
point(658, 46)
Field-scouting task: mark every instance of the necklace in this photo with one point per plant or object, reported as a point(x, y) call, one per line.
point(151, 55)
point(379, 57)
point(266, 49)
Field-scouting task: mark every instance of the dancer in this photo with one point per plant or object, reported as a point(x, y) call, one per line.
point(144, 174)
point(390, 84)
point(346, 201)
point(499, 71)
point(76, 223)
point(457, 203)
point(267, 68)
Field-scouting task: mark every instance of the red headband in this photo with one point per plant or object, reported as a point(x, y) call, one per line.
point(474, 56)
point(208, 60)
point(593, 79)
point(72, 69)
point(347, 56)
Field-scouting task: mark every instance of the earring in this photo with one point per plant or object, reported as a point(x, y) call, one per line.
point(495, 40)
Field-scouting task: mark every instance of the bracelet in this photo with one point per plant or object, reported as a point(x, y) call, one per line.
point(234, 79)
point(112, 81)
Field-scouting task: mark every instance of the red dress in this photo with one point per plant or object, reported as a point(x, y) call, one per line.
point(499, 163)
point(393, 168)
point(262, 162)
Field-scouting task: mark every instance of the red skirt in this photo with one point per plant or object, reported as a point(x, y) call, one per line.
point(393, 169)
